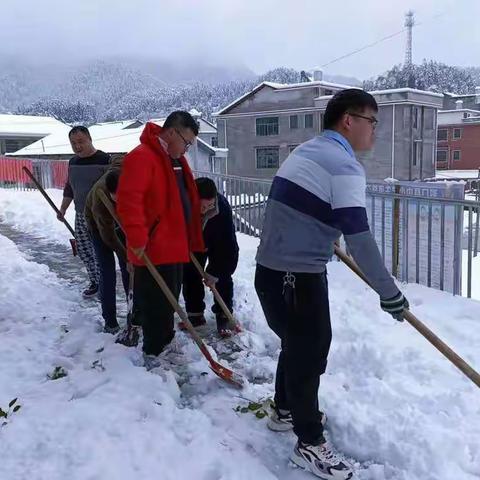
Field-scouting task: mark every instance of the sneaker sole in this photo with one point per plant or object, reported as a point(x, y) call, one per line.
point(300, 462)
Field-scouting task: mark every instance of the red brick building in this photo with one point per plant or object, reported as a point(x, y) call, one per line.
point(458, 139)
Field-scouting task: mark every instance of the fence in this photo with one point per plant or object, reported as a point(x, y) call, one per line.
point(426, 233)
point(51, 173)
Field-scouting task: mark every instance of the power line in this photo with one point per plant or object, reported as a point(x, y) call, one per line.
point(388, 37)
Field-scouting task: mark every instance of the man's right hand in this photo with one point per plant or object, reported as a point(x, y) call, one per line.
point(61, 215)
point(395, 306)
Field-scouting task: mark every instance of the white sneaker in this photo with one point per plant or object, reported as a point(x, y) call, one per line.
point(281, 420)
point(321, 460)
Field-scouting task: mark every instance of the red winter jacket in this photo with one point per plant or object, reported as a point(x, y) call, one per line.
point(149, 204)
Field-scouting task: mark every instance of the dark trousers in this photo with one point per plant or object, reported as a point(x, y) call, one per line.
point(300, 317)
point(194, 291)
point(108, 279)
point(153, 307)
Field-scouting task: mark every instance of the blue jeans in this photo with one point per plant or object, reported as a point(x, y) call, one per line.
point(108, 279)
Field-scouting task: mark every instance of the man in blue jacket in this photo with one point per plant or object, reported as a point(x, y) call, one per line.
point(317, 195)
point(222, 255)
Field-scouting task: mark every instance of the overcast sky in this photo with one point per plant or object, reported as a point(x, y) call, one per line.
point(259, 34)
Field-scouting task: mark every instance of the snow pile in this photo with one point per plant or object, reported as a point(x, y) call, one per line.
point(29, 212)
point(394, 403)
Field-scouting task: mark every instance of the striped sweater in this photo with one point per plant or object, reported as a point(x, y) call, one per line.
point(317, 195)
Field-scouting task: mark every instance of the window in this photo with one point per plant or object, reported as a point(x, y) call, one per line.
point(415, 117)
point(442, 135)
point(309, 120)
point(415, 153)
point(328, 92)
point(442, 155)
point(267, 157)
point(457, 133)
point(291, 148)
point(214, 142)
point(293, 121)
point(456, 155)
point(267, 126)
point(12, 145)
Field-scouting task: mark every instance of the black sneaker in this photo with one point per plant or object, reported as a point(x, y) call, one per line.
point(91, 291)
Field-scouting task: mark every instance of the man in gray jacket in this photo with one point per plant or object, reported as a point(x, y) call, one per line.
point(317, 195)
point(84, 169)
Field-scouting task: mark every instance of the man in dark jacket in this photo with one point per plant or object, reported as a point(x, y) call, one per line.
point(222, 255)
point(84, 169)
point(107, 240)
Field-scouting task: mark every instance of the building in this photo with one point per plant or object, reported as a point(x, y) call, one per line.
point(121, 137)
point(458, 139)
point(262, 127)
point(470, 100)
point(18, 131)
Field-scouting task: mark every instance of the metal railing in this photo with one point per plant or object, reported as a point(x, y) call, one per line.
point(425, 240)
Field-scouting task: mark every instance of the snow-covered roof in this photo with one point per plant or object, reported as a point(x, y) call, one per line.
point(456, 174)
point(29, 125)
point(282, 87)
point(405, 90)
point(468, 110)
point(110, 137)
point(219, 152)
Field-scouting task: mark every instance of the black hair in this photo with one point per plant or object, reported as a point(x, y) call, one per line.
point(206, 188)
point(79, 129)
point(349, 100)
point(181, 119)
point(111, 181)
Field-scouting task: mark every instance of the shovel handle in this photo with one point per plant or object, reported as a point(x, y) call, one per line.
point(439, 344)
point(214, 290)
point(48, 199)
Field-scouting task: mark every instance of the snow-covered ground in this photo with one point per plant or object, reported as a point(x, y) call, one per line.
point(394, 403)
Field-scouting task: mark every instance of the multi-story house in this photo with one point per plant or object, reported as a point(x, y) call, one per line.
point(261, 128)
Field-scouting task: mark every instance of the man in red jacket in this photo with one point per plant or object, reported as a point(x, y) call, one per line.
point(159, 208)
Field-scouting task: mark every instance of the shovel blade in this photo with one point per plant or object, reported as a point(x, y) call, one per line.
point(228, 375)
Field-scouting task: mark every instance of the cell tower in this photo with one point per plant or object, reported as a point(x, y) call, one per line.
point(409, 23)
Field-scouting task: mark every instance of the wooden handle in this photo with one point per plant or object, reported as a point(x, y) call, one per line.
point(214, 290)
point(439, 344)
point(48, 199)
point(161, 283)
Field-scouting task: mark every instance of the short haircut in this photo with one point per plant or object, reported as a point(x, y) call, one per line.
point(206, 188)
point(79, 129)
point(111, 181)
point(181, 119)
point(350, 100)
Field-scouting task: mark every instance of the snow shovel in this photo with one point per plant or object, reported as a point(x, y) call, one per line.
point(221, 371)
point(73, 242)
point(234, 324)
point(419, 326)
point(130, 335)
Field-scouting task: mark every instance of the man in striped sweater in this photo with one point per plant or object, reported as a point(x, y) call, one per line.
point(317, 195)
